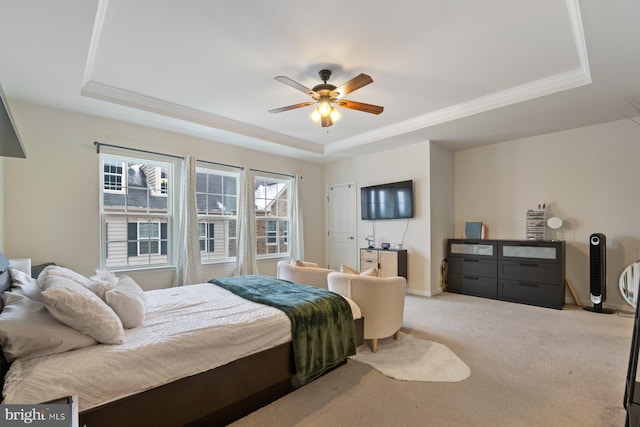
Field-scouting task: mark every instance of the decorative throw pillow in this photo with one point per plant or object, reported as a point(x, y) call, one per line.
point(370, 272)
point(127, 299)
point(75, 305)
point(37, 269)
point(348, 270)
point(23, 284)
point(103, 282)
point(56, 270)
point(299, 263)
point(27, 329)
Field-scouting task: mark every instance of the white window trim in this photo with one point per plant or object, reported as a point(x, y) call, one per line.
point(204, 167)
point(174, 168)
point(288, 181)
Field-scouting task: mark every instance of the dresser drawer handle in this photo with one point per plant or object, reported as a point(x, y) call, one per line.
point(533, 285)
point(472, 277)
point(528, 264)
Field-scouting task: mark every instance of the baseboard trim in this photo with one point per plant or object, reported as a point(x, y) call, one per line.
point(423, 293)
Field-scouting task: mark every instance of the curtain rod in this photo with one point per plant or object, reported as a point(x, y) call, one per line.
point(98, 144)
point(221, 164)
point(274, 173)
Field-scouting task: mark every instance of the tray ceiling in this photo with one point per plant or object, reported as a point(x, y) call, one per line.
point(461, 73)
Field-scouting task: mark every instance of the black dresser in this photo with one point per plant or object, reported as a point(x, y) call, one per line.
point(523, 271)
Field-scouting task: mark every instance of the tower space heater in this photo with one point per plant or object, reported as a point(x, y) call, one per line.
point(598, 273)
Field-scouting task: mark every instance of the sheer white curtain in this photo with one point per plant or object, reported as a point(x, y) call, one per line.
point(296, 235)
point(189, 267)
point(246, 227)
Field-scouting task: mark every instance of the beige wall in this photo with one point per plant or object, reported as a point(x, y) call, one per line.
point(51, 198)
point(411, 162)
point(589, 176)
point(441, 208)
point(2, 181)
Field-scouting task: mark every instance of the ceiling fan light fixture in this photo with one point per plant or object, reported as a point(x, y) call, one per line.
point(326, 96)
point(335, 114)
point(324, 108)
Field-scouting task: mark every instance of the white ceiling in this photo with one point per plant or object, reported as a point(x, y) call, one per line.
point(458, 72)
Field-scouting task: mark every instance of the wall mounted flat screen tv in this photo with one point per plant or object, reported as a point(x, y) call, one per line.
point(387, 201)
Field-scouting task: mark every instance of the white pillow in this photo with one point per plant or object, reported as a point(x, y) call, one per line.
point(56, 270)
point(370, 272)
point(348, 270)
point(23, 284)
point(127, 299)
point(27, 329)
point(78, 307)
point(103, 282)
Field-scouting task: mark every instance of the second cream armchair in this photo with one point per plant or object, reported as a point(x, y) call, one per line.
point(381, 301)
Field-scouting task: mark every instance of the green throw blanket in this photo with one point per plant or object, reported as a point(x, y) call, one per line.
point(322, 328)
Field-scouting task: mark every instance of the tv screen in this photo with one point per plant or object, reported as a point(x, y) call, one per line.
point(387, 201)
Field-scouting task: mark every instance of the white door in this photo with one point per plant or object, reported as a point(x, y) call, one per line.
point(341, 214)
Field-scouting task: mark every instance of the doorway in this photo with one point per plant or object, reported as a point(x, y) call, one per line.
point(341, 225)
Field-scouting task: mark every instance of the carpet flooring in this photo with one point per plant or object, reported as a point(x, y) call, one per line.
point(530, 366)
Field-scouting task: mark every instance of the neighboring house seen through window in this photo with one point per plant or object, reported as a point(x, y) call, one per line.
point(113, 176)
point(217, 199)
point(272, 215)
point(137, 214)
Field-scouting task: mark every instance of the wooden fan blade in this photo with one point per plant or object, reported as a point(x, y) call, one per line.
point(326, 121)
point(355, 83)
point(296, 85)
point(360, 106)
point(291, 107)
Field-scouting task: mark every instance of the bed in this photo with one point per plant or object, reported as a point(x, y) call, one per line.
point(213, 396)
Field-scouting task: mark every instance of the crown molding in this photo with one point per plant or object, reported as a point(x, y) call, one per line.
point(503, 98)
point(549, 85)
point(104, 92)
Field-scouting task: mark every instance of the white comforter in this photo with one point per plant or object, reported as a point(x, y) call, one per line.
point(186, 331)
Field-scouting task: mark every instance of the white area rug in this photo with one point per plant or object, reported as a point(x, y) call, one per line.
point(414, 359)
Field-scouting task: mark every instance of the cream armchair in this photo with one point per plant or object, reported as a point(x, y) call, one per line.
point(310, 274)
point(381, 301)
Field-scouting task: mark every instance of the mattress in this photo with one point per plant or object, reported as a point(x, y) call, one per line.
point(187, 330)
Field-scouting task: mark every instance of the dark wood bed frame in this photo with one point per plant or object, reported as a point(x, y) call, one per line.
point(213, 398)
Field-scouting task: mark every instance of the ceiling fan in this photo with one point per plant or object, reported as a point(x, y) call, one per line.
point(326, 95)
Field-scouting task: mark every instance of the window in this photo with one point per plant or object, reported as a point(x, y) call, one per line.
point(148, 238)
point(113, 176)
point(137, 212)
point(272, 215)
point(206, 232)
point(217, 199)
